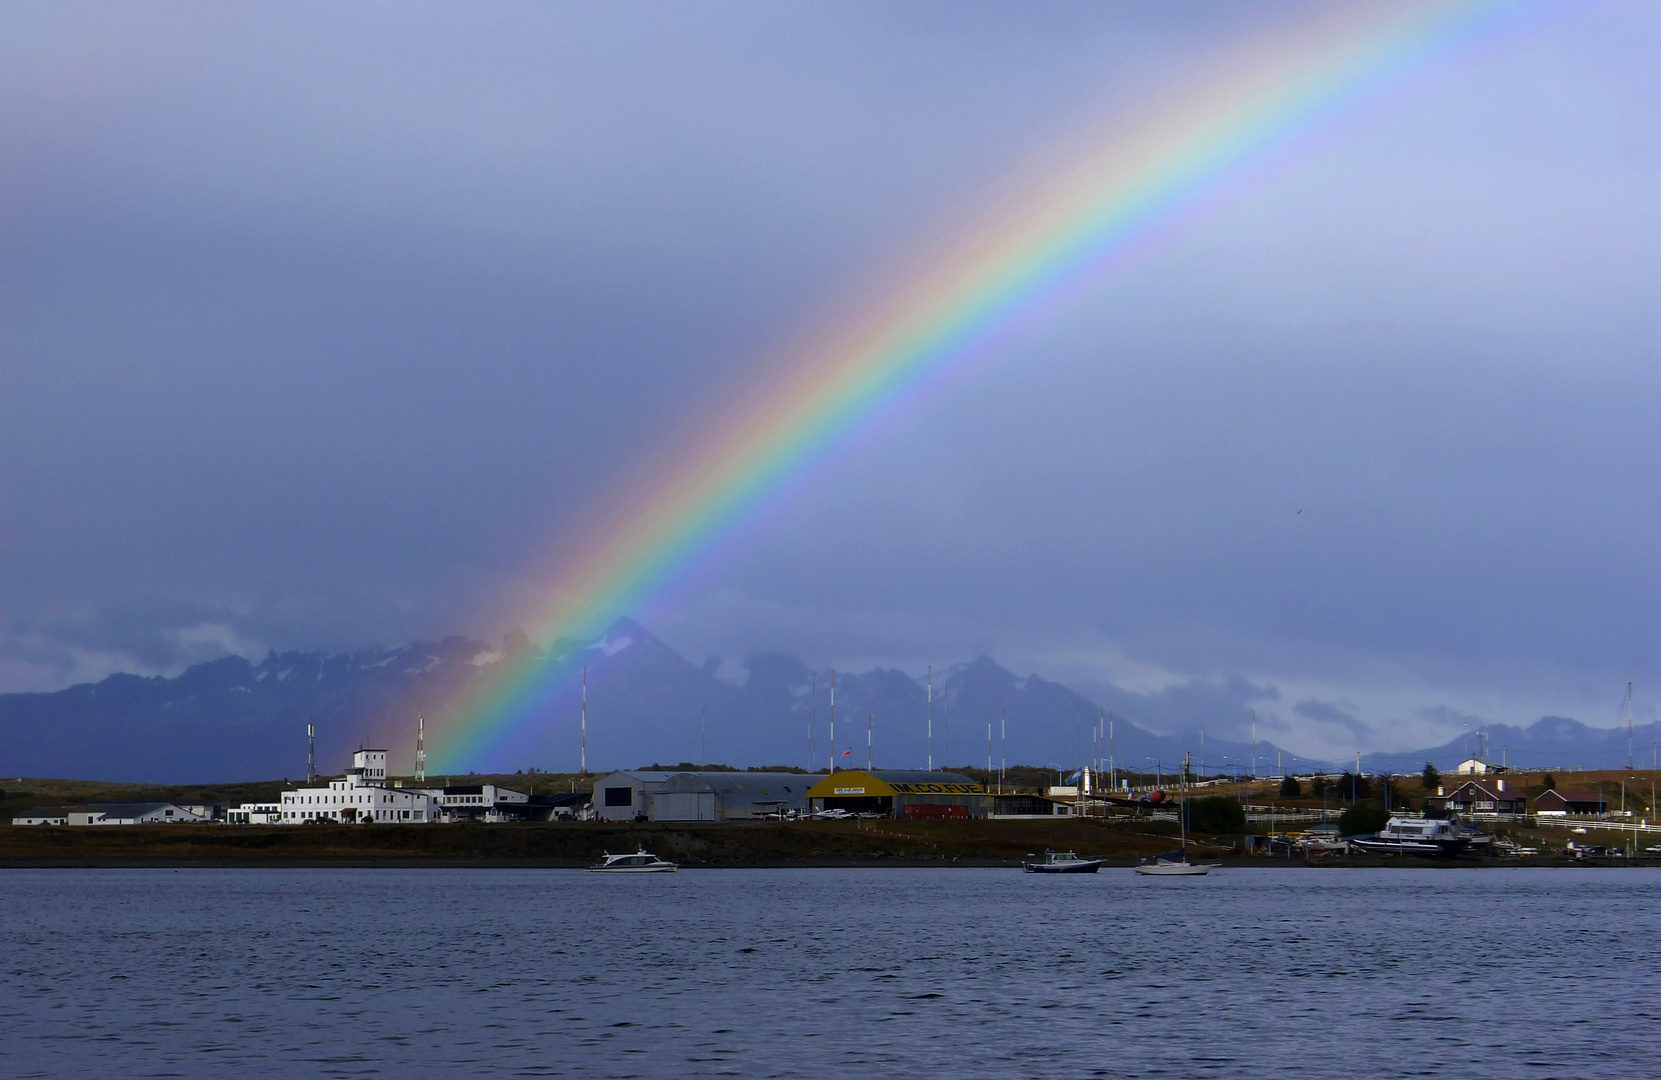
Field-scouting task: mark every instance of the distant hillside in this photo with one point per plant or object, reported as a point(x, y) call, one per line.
point(234, 719)
point(1552, 742)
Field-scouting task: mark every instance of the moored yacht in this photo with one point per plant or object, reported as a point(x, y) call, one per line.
point(1435, 837)
point(1063, 862)
point(641, 862)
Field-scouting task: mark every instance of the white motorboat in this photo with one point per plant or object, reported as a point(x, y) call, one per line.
point(1402, 835)
point(641, 862)
point(1063, 862)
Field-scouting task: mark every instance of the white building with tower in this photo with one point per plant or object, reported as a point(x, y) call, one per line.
point(361, 796)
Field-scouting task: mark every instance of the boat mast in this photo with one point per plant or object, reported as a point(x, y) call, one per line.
point(1182, 806)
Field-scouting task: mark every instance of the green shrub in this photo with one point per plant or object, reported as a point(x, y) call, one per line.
point(1363, 817)
point(1216, 814)
point(1290, 788)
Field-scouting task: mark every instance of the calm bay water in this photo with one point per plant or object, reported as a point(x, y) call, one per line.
point(1520, 973)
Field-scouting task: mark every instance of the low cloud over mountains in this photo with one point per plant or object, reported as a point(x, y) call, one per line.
point(232, 718)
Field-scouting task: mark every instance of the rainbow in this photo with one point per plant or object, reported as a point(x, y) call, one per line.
point(1036, 249)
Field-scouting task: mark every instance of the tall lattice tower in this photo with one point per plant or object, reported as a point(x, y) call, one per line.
point(420, 749)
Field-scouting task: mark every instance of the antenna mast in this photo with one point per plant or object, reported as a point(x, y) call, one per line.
point(1629, 725)
point(945, 721)
point(311, 754)
point(833, 721)
point(870, 718)
point(420, 749)
point(1254, 744)
point(585, 723)
point(813, 722)
point(931, 720)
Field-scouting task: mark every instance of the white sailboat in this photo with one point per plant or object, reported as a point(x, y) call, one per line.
point(1176, 864)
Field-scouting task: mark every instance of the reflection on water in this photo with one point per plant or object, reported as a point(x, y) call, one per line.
point(122, 973)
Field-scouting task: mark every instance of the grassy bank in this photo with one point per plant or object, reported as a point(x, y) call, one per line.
point(578, 844)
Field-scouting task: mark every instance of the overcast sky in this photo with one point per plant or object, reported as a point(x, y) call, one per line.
point(317, 323)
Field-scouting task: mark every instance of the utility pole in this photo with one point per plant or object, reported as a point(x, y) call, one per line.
point(989, 751)
point(813, 724)
point(585, 723)
point(703, 734)
point(930, 735)
point(420, 749)
point(311, 754)
point(870, 718)
point(1254, 744)
point(1003, 751)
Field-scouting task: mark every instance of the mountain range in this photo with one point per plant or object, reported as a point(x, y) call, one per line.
point(236, 719)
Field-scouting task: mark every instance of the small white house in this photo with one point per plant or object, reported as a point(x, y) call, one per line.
point(359, 797)
point(1475, 766)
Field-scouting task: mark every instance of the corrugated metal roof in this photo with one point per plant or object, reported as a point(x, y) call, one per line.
point(758, 786)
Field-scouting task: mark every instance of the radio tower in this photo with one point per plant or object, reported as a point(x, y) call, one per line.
point(420, 750)
point(311, 754)
point(1629, 725)
point(833, 721)
point(931, 721)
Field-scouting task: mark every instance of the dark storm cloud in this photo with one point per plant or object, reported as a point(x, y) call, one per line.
point(320, 323)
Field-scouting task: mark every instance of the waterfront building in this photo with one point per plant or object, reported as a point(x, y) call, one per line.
point(42, 815)
point(728, 796)
point(1571, 804)
point(1475, 766)
point(1485, 797)
point(255, 814)
point(484, 802)
point(625, 796)
point(901, 794)
point(148, 813)
point(360, 796)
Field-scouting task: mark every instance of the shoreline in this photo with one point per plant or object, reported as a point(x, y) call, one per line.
point(898, 844)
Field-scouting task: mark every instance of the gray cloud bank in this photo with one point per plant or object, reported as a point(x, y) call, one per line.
point(319, 324)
